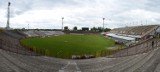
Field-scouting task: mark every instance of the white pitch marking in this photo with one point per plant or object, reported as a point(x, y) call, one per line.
point(66, 66)
point(77, 68)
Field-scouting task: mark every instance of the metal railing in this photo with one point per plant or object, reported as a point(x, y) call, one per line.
point(137, 49)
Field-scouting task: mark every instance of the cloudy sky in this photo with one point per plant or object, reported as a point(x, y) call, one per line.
point(80, 13)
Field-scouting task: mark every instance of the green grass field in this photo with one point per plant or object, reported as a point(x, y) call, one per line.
point(65, 46)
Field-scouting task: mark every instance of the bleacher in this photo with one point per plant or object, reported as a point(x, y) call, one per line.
point(14, 34)
point(9, 41)
point(136, 30)
point(30, 34)
point(134, 33)
point(42, 33)
point(146, 62)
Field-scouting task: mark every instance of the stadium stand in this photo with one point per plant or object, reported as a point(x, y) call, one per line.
point(10, 42)
point(24, 63)
point(134, 34)
point(42, 33)
point(17, 35)
point(82, 32)
point(30, 34)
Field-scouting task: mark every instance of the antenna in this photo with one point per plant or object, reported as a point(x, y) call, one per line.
point(8, 16)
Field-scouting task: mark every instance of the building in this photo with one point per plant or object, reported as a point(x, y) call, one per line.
point(85, 28)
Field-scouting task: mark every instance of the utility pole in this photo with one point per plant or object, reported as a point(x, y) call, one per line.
point(8, 15)
point(62, 23)
point(103, 23)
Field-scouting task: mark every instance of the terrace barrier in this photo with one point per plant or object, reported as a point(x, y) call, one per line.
point(137, 49)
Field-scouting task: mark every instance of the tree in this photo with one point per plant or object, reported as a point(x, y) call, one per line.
point(93, 29)
point(23, 28)
point(66, 28)
point(107, 29)
point(85, 29)
point(75, 28)
point(100, 29)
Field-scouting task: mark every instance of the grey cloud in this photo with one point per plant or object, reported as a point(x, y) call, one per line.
point(153, 5)
point(94, 10)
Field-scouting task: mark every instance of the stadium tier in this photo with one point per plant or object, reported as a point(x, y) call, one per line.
point(146, 62)
point(129, 35)
point(42, 33)
point(136, 30)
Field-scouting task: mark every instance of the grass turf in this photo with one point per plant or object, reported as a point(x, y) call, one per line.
point(65, 46)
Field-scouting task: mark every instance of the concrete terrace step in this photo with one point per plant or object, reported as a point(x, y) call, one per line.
point(22, 63)
point(151, 64)
point(140, 63)
point(105, 64)
point(12, 63)
point(38, 65)
point(118, 67)
point(157, 69)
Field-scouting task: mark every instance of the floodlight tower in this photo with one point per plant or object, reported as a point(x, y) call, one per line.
point(103, 23)
point(8, 16)
point(62, 23)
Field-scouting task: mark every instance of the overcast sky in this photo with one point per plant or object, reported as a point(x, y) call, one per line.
point(80, 13)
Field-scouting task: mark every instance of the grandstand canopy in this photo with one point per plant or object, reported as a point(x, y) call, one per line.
point(135, 36)
point(121, 37)
point(134, 31)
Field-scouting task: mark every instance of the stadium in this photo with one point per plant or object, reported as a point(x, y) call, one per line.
point(141, 51)
point(123, 49)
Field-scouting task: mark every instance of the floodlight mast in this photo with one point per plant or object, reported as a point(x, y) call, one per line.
point(8, 16)
point(62, 23)
point(103, 23)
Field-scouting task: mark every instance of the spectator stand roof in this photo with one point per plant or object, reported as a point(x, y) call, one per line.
point(121, 37)
point(135, 30)
point(132, 36)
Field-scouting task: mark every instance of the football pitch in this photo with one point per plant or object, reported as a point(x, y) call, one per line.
point(65, 46)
